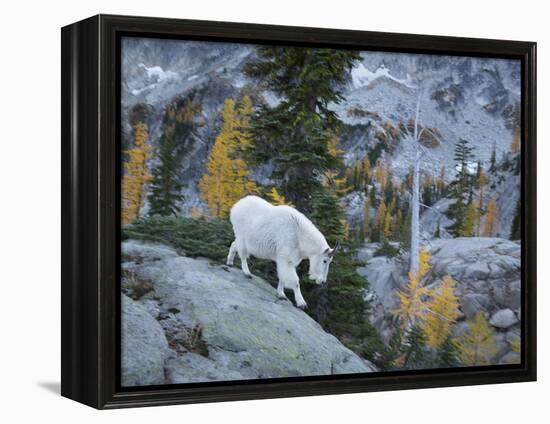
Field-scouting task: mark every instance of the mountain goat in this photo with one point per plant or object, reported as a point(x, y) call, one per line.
point(281, 234)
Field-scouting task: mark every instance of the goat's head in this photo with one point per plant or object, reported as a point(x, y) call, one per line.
point(320, 263)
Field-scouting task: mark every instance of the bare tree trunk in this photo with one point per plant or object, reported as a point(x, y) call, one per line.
point(415, 203)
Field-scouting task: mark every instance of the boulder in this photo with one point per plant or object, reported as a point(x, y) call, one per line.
point(247, 331)
point(471, 303)
point(505, 318)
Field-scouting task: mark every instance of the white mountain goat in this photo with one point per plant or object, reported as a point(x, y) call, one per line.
point(281, 234)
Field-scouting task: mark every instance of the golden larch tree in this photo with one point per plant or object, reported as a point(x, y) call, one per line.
point(477, 345)
point(443, 313)
point(227, 177)
point(381, 217)
point(381, 174)
point(491, 219)
point(414, 299)
point(136, 175)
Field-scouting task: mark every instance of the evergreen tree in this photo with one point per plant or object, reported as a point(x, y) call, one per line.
point(415, 352)
point(165, 192)
point(136, 175)
point(179, 128)
point(372, 196)
point(366, 218)
point(447, 354)
point(388, 190)
point(493, 166)
point(481, 181)
point(327, 215)
point(227, 178)
point(437, 233)
point(515, 233)
point(405, 231)
point(461, 188)
point(427, 195)
point(396, 226)
point(294, 134)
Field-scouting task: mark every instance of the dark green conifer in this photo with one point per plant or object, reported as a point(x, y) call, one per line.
point(294, 134)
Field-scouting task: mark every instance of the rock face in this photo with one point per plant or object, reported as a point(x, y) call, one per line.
point(144, 346)
point(469, 98)
point(206, 322)
point(487, 272)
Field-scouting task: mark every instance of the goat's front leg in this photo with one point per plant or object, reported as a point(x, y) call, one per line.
point(289, 279)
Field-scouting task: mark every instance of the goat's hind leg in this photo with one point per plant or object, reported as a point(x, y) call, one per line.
point(232, 252)
point(243, 254)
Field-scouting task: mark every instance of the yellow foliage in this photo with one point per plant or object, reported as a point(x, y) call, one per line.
point(136, 175)
point(443, 309)
point(515, 344)
point(477, 345)
point(491, 219)
point(333, 146)
point(381, 175)
point(414, 299)
point(381, 215)
point(227, 177)
point(278, 199)
point(341, 186)
point(423, 263)
point(345, 229)
point(338, 186)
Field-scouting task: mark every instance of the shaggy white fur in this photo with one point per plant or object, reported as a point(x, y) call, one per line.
point(281, 234)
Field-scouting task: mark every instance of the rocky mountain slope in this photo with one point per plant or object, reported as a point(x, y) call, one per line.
point(461, 97)
point(188, 320)
point(487, 272)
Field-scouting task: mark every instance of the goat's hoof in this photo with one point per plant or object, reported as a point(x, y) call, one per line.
point(302, 307)
point(282, 297)
point(248, 276)
point(229, 263)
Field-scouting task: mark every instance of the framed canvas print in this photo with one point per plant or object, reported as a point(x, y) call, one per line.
point(256, 211)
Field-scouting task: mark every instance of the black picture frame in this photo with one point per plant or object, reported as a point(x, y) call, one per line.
point(91, 211)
